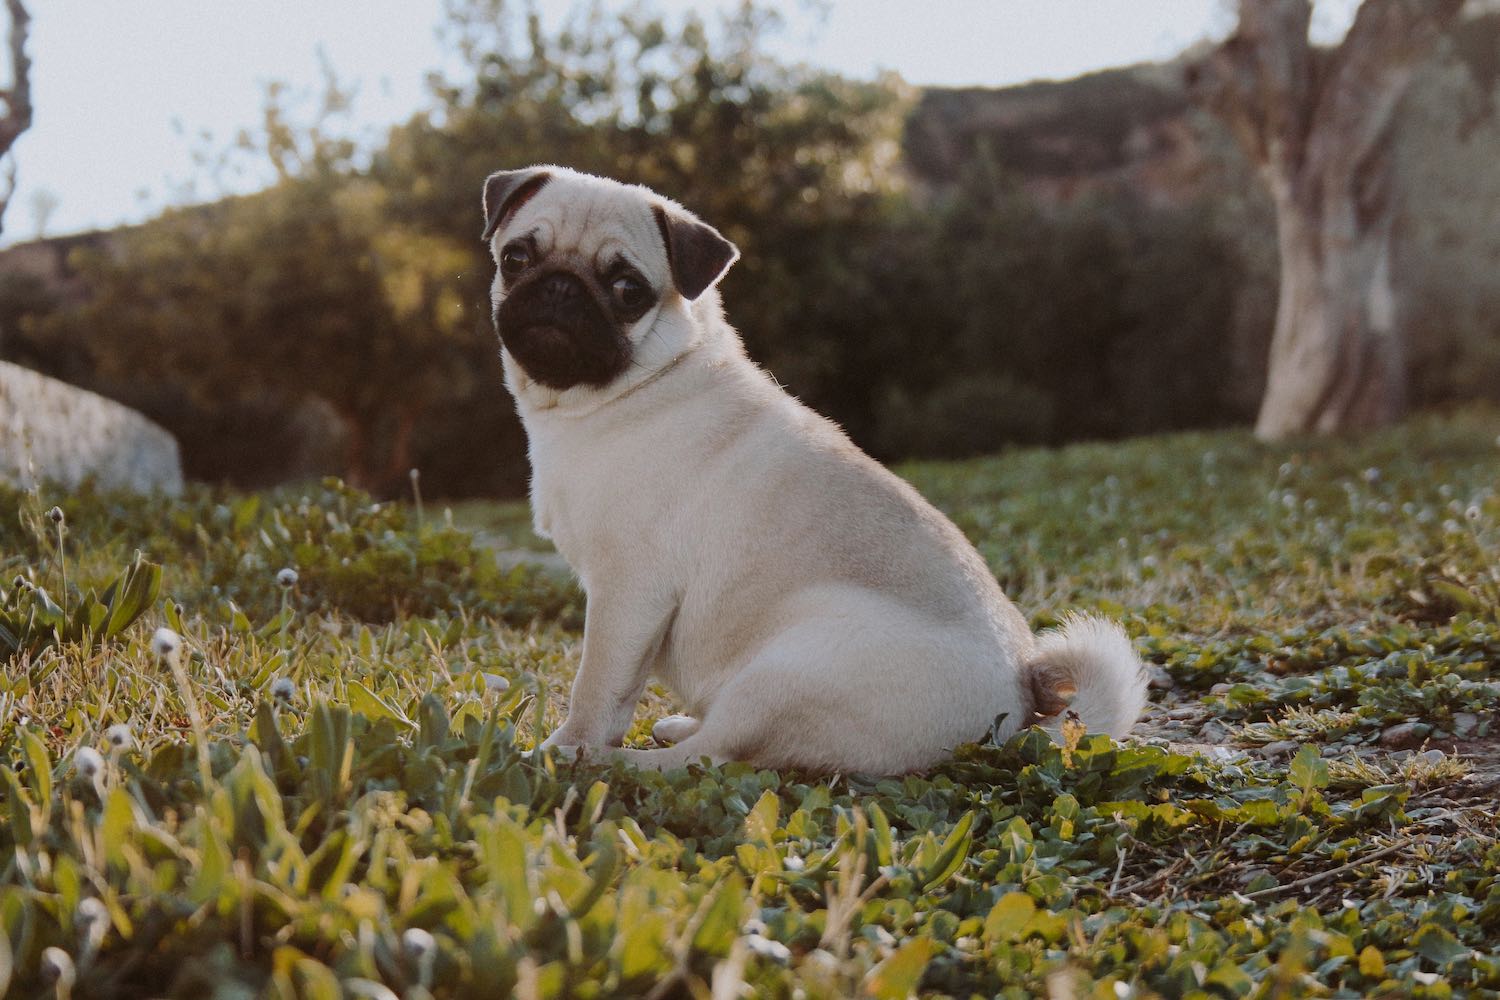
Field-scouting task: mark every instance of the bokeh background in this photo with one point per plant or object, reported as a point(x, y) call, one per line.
point(258, 224)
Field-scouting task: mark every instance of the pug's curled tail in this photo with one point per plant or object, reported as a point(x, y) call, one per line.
point(1088, 667)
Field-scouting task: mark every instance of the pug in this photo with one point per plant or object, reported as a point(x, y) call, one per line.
point(809, 608)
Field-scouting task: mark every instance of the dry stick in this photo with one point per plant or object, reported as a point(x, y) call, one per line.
point(1161, 876)
point(1303, 883)
point(1114, 884)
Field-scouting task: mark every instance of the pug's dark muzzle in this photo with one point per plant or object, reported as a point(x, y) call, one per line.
point(560, 332)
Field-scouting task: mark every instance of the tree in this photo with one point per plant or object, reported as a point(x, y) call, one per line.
point(1316, 124)
point(16, 99)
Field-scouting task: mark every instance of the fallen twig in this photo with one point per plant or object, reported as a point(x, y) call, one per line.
point(1303, 883)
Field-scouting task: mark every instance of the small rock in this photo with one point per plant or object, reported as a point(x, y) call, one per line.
point(1221, 688)
point(1281, 748)
point(1159, 678)
point(1465, 723)
point(1214, 731)
point(1432, 756)
point(1184, 712)
point(495, 682)
point(1404, 735)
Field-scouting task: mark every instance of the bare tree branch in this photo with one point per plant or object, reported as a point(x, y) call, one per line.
point(1370, 71)
point(1260, 81)
point(17, 98)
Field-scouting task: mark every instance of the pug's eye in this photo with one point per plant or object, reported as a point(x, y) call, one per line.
point(515, 258)
point(630, 293)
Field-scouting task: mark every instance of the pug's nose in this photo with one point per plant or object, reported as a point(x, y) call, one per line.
point(560, 287)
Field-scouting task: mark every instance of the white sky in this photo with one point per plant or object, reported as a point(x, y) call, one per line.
point(124, 92)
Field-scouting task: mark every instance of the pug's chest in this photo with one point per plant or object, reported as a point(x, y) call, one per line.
point(595, 528)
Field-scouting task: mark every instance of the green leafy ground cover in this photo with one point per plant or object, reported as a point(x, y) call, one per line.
point(319, 790)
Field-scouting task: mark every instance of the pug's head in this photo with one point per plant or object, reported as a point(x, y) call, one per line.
point(596, 281)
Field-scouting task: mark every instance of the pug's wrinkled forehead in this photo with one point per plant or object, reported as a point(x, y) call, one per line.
point(599, 222)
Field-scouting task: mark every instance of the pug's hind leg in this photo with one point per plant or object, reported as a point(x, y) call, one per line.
point(674, 728)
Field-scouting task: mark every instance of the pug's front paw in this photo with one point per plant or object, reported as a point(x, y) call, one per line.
point(674, 728)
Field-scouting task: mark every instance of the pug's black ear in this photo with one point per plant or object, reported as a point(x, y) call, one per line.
point(505, 191)
point(699, 255)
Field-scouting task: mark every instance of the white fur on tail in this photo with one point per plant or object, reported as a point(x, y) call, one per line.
point(1094, 659)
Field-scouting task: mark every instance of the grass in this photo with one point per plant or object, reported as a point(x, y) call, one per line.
point(318, 790)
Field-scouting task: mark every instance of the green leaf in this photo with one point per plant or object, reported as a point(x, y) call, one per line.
point(885, 850)
point(213, 863)
point(7, 962)
point(304, 977)
point(503, 847)
point(1439, 946)
point(1371, 962)
point(897, 977)
point(604, 868)
point(643, 946)
point(434, 721)
point(1009, 918)
point(1016, 839)
point(1231, 978)
point(952, 854)
point(39, 766)
point(116, 826)
point(761, 823)
point(244, 513)
point(369, 704)
point(721, 923)
point(267, 736)
point(135, 591)
point(20, 809)
point(1308, 770)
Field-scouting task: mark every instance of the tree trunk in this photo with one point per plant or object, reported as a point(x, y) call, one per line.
point(357, 453)
point(398, 461)
point(17, 98)
point(1317, 124)
point(1337, 361)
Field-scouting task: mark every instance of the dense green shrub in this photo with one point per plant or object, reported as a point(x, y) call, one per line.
point(369, 560)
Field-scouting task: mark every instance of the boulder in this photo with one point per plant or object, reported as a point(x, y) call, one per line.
point(54, 432)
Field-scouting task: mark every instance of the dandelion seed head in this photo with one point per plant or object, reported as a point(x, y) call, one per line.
point(119, 736)
point(87, 762)
point(92, 911)
point(55, 515)
point(287, 578)
point(165, 642)
point(57, 965)
point(767, 948)
point(282, 689)
point(418, 943)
